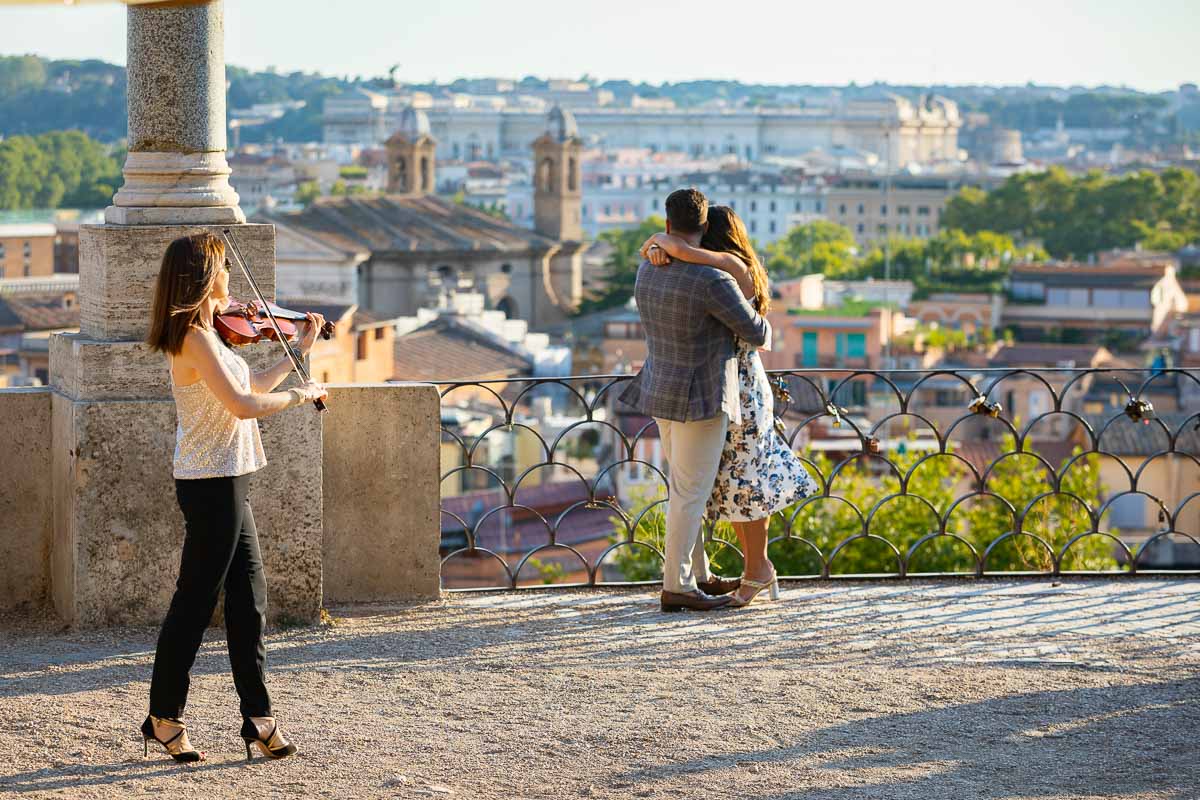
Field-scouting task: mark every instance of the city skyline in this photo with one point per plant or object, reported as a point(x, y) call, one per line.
point(1073, 43)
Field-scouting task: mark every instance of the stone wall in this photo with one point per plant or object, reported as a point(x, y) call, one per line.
point(26, 507)
point(375, 536)
point(381, 500)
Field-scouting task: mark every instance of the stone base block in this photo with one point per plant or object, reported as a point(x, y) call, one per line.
point(26, 502)
point(87, 369)
point(166, 215)
point(118, 531)
point(119, 265)
point(382, 502)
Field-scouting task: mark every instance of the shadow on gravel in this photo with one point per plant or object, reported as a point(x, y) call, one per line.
point(77, 776)
point(977, 622)
point(1102, 742)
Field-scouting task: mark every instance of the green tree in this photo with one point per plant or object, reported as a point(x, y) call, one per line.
point(307, 192)
point(1077, 216)
point(621, 266)
point(60, 168)
point(815, 247)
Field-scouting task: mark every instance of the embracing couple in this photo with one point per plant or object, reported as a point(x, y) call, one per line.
point(702, 295)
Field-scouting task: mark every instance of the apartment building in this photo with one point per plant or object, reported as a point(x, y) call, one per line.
point(1129, 298)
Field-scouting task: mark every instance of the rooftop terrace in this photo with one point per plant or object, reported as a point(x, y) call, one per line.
point(953, 689)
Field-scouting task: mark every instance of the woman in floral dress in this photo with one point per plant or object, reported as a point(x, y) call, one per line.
point(759, 473)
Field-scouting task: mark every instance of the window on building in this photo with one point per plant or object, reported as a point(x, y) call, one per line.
point(379, 333)
point(771, 226)
point(797, 206)
point(883, 210)
point(608, 211)
point(922, 211)
point(360, 346)
point(28, 249)
point(1028, 290)
point(1128, 512)
point(842, 208)
point(753, 206)
point(28, 269)
point(882, 228)
point(754, 226)
point(903, 210)
point(861, 228)
point(732, 205)
point(772, 206)
point(1067, 297)
point(1132, 298)
point(1, 251)
point(851, 345)
point(819, 206)
point(808, 350)
point(861, 208)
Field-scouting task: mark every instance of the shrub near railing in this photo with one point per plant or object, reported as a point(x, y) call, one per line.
point(815, 526)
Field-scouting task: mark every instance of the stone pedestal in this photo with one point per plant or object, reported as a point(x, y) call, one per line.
point(117, 527)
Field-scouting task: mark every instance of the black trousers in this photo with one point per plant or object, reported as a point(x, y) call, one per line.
point(220, 550)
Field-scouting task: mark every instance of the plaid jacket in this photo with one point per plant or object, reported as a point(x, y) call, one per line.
point(691, 314)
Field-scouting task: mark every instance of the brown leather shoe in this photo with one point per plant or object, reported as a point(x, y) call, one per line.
point(694, 601)
point(719, 586)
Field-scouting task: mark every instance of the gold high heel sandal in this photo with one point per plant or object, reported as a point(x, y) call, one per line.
point(772, 586)
point(177, 746)
point(273, 745)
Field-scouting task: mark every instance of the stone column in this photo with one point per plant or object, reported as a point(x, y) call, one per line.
point(117, 526)
point(176, 171)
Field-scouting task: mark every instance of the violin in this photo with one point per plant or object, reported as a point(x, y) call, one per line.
point(245, 323)
point(248, 325)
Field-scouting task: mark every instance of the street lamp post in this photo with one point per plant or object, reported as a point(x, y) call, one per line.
point(887, 246)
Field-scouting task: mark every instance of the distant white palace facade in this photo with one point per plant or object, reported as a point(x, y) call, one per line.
point(471, 128)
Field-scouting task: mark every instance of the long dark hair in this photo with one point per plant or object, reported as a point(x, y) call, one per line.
point(727, 234)
point(185, 280)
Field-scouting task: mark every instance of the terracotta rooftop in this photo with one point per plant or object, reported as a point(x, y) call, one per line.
point(1036, 354)
point(1126, 274)
point(400, 224)
point(450, 349)
point(1124, 437)
point(522, 528)
point(36, 312)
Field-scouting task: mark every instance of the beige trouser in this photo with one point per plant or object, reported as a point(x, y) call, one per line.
point(693, 454)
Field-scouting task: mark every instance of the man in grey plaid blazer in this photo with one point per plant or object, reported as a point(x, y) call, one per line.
point(689, 384)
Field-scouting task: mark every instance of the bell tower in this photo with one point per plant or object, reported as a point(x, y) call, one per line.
point(557, 194)
point(410, 155)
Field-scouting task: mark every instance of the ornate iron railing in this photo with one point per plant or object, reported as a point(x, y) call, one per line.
point(920, 473)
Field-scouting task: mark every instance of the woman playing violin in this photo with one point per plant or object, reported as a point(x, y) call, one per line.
point(218, 401)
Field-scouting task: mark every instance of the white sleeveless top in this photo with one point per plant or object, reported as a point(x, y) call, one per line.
point(210, 442)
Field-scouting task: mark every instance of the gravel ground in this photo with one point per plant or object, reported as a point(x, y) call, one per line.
point(964, 690)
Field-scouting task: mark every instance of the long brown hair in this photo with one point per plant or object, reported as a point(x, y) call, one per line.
point(727, 234)
point(185, 280)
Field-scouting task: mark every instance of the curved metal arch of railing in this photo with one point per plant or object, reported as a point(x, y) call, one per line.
point(901, 386)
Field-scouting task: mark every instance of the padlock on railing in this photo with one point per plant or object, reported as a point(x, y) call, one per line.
point(1140, 410)
point(981, 405)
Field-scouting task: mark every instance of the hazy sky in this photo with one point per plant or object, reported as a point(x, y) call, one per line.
point(1148, 45)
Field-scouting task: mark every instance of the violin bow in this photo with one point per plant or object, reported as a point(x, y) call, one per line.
point(292, 355)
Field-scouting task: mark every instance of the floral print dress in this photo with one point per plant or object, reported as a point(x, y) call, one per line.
point(759, 473)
